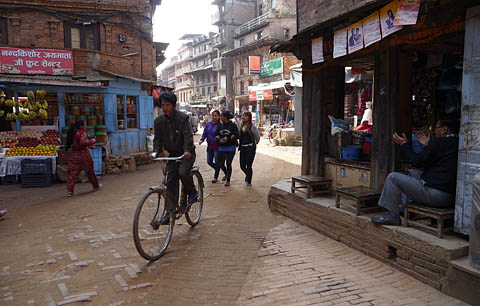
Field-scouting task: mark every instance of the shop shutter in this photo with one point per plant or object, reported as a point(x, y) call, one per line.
point(146, 112)
point(110, 107)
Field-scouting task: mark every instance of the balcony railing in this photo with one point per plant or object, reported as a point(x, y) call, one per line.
point(218, 64)
point(253, 24)
point(217, 18)
point(218, 40)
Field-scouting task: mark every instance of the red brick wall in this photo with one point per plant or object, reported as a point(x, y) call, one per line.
point(31, 28)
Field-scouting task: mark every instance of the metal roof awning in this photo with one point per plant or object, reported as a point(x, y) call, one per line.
point(125, 76)
point(198, 105)
point(55, 80)
point(217, 98)
point(271, 85)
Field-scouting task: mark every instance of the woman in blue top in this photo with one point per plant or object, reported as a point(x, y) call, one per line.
point(209, 133)
point(227, 135)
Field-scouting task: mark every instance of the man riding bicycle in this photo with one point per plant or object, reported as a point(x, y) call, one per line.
point(174, 138)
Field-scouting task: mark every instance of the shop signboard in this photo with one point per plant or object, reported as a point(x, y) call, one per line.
point(254, 64)
point(268, 94)
point(36, 61)
point(272, 67)
point(259, 94)
point(252, 96)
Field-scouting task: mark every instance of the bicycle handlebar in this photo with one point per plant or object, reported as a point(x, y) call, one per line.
point(154, 157)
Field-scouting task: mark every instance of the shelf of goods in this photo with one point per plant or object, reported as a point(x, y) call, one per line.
point(86, 107)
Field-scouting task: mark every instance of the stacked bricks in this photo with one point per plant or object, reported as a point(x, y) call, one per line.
point(424, 256)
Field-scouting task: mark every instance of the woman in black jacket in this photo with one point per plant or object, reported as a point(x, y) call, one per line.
point(227, 135)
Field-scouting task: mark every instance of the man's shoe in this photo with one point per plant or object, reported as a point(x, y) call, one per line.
point(192, 198)
point(165, 220)
point(387, 220)
point(224, 178)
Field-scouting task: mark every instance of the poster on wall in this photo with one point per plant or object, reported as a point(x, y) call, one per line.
point(254, 64)
point(355, 37)
point(387, 19)
point(371, 29)
point(407, 12)
point(340, 43)
point(317, 50)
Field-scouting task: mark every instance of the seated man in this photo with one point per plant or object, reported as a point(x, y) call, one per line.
point(173, 134)
point(435, 185)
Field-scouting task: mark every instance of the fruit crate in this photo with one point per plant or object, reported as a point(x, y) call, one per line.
point(10, 180)
point(36, 166)
point(37, 180)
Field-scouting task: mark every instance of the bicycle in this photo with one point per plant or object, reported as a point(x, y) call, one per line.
point(151, 236)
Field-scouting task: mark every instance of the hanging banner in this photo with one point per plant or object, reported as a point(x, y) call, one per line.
point(254, 64)
point(407, 12)
point(272, 67)
point(371, 29)
point(268, 94)
point(387, 19)
point(317, 50)
point(36, 61)
point(252, 96)
point(340, 43)
point(355, 37)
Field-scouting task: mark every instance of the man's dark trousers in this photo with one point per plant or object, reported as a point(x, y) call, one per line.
point(182, 172)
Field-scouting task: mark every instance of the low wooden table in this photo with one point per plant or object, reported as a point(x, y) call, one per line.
point(323, 185)
point(439, 214)
point(361, 196)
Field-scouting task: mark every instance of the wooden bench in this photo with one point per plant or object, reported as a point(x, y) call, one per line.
point(314, 185)
point(439, 214)
point(362, 197)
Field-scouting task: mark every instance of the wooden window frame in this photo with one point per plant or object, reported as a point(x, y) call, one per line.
point(4, 29)
point(67, 32)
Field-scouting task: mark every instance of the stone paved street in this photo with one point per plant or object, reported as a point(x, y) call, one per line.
point(56, 250)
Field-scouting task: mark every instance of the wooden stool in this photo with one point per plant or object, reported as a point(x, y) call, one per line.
point(439, 214)
point(309, 181)
point(360, 195)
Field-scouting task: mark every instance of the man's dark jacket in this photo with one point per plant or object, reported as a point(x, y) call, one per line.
point(173, 134)
point(439, 163)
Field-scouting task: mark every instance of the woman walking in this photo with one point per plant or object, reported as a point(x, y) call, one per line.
point(227, 135)
point(80, 158)
point(249, 138)
point(209, 133)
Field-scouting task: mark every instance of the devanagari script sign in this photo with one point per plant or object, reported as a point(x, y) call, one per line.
point(36, 61)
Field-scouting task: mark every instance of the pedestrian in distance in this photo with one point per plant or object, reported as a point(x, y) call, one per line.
point(80, 158)
point(227, 136)
point(249, 138)
point(209, 133)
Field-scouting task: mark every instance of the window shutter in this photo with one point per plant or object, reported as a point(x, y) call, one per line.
point(110, 107)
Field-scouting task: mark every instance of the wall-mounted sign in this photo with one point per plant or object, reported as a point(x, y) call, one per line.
point(272, 67)
point(371, 29)
point(36, 61)
point(387, 19)
point(355, 37)
point(252, 96)
point(268, 94)
point(254, 64)
point(407, 12)
point(340, 43)
point(317, 50)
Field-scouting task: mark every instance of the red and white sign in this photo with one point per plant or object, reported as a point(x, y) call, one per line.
point(36, 61)
point(252, 96)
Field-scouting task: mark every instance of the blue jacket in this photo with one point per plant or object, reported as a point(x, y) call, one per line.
point(209, 133)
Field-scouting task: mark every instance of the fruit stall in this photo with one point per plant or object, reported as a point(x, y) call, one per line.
point(28, 157)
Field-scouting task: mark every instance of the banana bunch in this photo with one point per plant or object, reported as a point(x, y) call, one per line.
point(11, 116)
point(32, 115)
point(31, 95)
point(44, 104)
point(41, 94)
point(23, 116)
point(9, 103)
point(42, 114)
point(2, 97)
point(2, 113)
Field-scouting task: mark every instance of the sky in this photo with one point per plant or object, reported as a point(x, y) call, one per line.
point(174, 18)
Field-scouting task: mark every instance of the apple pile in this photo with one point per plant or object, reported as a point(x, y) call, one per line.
point(31, 142)
point(51, 133)
point(8, 142)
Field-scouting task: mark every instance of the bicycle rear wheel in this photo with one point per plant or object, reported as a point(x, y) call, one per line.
point(150, 236)
point(194, 212)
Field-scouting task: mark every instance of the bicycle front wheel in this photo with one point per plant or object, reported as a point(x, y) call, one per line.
point(153, 225)
point(194, 212)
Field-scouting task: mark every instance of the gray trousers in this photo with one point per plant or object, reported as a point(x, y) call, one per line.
point(400, 188)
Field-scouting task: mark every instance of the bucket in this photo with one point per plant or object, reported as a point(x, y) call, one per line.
point(87, 110)
point(84, 118)
point(101, 128)
point(91, 134)
point(351, 152)
point(90, 129)
point(101, 137)
point(76, 110)
point(63, 139)
point(98, 110)
point(367, 145)
point(100, 120)
point(474, 250)
point(92, 120)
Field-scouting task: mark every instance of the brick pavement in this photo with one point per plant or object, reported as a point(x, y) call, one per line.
point(298, 266)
